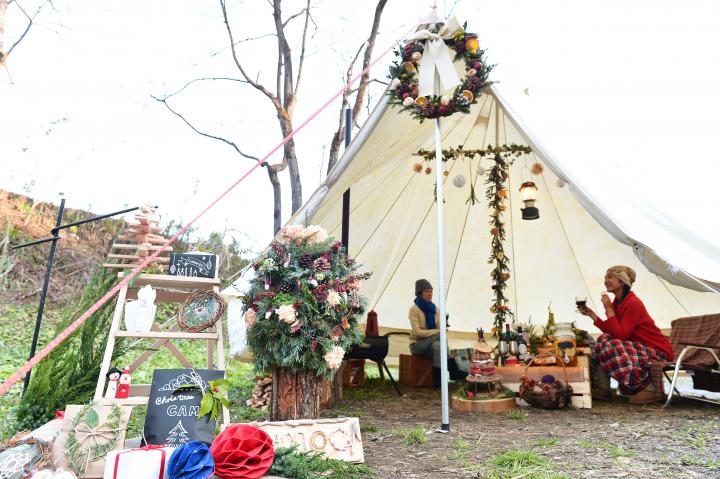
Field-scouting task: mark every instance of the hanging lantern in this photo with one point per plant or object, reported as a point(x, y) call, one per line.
point(528, 194)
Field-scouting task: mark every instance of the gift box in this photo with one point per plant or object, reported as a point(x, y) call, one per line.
point(149, 462)
point(88, 434)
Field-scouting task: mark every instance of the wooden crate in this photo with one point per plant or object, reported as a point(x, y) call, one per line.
point(415, 370)
point(354, 373)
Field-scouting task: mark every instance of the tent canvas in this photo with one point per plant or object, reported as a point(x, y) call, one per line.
point(392, 228)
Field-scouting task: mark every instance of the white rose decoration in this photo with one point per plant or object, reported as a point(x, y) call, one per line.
point(445, 101)
point(471, 72)
point(395, 83)
point(334, 357)
point(286, 312)
point(333, 298)
point(408, 101)
point(416, 56)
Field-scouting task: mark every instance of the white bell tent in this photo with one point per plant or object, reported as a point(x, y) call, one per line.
point(564, 253)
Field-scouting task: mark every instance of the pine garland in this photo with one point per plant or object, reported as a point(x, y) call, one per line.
point(303, 305)
point(293, 464)
point(496, 194)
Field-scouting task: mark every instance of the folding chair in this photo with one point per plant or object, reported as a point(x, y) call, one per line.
point(696, 342)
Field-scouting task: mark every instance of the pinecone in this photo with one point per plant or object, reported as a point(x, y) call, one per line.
point(321, 264)
point(286, 286)
point(305, 260)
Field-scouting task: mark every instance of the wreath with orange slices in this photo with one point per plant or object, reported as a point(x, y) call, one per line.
point(403, 89)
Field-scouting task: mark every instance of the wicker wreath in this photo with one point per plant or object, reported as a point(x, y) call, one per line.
point(549, 393)
point(43, 452)
point(201, 310)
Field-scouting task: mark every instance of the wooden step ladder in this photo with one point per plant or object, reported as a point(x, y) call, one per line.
point(169, 289)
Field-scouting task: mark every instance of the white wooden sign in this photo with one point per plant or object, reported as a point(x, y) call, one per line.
point(337, 438)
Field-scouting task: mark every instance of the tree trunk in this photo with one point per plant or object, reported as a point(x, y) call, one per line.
point(295, 395)
point(290, 157)
point(277, 196)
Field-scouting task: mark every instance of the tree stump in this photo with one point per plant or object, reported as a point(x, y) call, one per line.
point(295, 395)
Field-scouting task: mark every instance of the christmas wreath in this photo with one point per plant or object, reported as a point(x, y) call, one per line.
point(404, 76)
point(302, 306)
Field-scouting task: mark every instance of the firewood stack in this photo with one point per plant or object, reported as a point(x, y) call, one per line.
point(261, 393)
point(141, 239)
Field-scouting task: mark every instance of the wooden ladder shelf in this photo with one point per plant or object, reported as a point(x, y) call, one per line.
point(169, 289)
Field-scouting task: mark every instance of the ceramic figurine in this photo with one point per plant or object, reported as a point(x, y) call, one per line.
point(123, 391)
point(112, 376)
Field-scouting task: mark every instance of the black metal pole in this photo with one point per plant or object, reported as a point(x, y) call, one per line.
point(346, 196)
point(43, 295)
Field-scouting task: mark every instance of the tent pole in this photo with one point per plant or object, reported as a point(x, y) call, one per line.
point(346, 196)
point(445, 425)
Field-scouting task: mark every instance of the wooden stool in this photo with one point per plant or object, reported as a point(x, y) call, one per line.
point(415, 370)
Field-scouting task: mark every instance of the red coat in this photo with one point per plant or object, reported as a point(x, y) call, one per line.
point(632, 322)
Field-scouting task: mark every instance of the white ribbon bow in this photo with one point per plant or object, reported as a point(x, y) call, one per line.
point(436, 56)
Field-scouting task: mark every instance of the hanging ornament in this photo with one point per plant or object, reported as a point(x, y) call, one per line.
point(459, 181)
point(446, 173)
point(528, 193)
point(502, 193)
point(505, 276)
point(480, 171)
point(560, 182)
point(428, 170)
point(499, 255)
point(417, 167)
point(537, 168)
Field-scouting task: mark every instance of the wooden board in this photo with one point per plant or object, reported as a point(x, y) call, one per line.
point(179, 282)
point(487, 405)
point(512, 374)
point(165, 335)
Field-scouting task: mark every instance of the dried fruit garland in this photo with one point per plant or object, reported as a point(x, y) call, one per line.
point(496, 194)
point(404, 80)
point(460, 153)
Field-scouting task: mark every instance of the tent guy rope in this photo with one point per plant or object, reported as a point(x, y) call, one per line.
point(20, 373)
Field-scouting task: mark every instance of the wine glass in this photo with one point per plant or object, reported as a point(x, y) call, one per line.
point(581, 302)
point(514, 348)
point(503, 349)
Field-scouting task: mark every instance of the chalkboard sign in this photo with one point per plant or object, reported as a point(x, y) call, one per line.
point(198, 265)
point(172, 415)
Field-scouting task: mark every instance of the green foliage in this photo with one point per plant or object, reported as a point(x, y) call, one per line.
point(520, 463)
point(292, 464)
point(547, 441)
point(6, 261)
point(516, 414)
point(416, 436)
point(70, 373)
point(303, 303)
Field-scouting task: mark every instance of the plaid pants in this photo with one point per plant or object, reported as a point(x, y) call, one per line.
point(628, 362)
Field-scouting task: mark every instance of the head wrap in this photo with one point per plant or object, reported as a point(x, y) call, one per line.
point(624, 273)
point(421, 285)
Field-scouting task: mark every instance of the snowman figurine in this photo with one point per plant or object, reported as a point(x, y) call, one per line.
point(123, 391)
point(112, 376)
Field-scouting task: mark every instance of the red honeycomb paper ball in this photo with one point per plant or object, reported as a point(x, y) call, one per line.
point(242, 451)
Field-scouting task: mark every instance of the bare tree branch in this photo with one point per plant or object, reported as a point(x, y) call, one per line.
point(366, 59)
point(360, 90)
point(203, 79)
point(207, 135)
point(255, 84)
point(31, 20)
point(286, 52)
point(302, 49)
point(285, 23)
point(249, 39)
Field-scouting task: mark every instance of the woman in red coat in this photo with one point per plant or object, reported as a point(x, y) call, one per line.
point(631, 341)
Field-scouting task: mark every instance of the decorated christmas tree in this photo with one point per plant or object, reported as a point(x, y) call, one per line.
point(177, 436)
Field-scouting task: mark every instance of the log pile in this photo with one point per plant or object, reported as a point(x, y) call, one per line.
point(261, 393)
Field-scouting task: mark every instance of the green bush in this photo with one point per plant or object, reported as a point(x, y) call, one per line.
point(70, 373)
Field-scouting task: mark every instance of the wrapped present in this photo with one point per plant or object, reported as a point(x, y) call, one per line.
point(148, 462)
point(88, 434)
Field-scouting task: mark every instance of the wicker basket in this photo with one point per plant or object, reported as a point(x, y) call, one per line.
point(201, 310)
point(557, 395)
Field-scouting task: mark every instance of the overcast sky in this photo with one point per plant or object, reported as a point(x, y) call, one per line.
point(624, 94)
